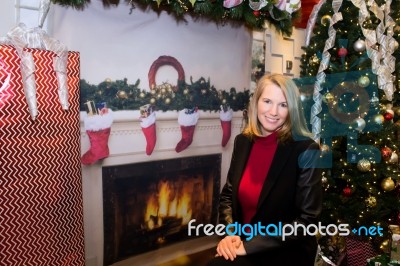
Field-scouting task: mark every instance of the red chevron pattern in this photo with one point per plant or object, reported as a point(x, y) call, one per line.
point(41, 209)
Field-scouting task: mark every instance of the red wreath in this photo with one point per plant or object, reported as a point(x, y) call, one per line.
point(161, 61)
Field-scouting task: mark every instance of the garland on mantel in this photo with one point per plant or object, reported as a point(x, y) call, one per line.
point(254, 14)
point(119, 95)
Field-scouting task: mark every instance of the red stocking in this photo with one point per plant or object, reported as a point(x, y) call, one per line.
point(148, 125)
point(226, 123)
point(187, 138)
point(98, 128)
point(188, 123)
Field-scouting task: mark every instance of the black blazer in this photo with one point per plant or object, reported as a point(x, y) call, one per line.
point(291, 193)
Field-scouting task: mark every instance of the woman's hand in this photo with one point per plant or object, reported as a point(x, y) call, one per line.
point(230, 246)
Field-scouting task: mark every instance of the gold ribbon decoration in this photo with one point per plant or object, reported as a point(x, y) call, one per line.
point(379, 46)
point(320, 79)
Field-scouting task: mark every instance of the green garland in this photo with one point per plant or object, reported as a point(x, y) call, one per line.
point(213, 10)
point(119, 95)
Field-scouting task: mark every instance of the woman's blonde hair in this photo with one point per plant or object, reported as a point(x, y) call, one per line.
point(295, 126)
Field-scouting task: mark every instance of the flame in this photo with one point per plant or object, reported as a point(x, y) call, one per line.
point(184, 210)
point(169, 202)
point(151, 210)
point(163, 198)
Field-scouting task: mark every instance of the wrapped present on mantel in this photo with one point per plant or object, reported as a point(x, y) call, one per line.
point(41, 179)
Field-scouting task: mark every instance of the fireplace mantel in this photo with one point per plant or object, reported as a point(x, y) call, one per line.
point(127, 145)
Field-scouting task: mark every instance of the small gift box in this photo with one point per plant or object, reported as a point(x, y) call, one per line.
point(146, 110)
point(91, 108)
point(100, 106)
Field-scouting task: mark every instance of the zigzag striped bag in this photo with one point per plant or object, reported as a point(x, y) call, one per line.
point(41, 210)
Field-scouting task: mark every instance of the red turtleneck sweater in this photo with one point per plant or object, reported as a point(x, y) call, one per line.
point(255, 174)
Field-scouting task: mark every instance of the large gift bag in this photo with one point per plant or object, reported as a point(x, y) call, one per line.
point(41, 208)
point(358, 250)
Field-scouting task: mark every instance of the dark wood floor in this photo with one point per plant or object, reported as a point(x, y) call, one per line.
point(197, 259)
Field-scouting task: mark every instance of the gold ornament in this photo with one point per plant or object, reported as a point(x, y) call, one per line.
point(167, 101)
point(394, 158)
point(328, 97)
point(379, 119)
point(325, 20)
point(396, 110)
point(384, 246)
point(324, 149)
point(185, 91)
point(371, 201)
point(142, 95)
point(122, 95)
point(363, 81)
point(324, 180)
point(108, 80)
point(152, 101)
point(364, 165)
point(314, 59)
point(388, 184)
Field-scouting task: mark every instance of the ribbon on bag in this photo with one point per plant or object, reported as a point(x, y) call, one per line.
point(22, 37)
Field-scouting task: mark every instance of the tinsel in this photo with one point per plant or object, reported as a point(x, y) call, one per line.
point(379, 46)
point(317, 96)
point(311, 21)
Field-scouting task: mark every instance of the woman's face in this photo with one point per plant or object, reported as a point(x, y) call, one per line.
point(272, 109)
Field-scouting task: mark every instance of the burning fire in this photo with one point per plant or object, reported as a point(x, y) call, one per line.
point(169, 202)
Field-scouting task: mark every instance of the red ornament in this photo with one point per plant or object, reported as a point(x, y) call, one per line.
point(347, 191)
point(342, 52)
point(256, 13)
point(386, 153)
point(388, 116)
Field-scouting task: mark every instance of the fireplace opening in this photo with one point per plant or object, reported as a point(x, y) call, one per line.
point(148, 205)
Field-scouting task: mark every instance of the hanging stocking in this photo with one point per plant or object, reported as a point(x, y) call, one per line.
point(226, 123)
point(148, 125)
point(187, 119)
point(98, 128)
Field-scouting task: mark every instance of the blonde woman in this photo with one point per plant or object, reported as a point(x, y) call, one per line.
point(273, 181)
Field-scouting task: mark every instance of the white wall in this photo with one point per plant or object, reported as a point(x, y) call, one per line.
point(115, 44)
point(7, 15)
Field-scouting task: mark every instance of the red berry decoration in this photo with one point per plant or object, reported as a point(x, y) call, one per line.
point(347, 192)
point(342, 52)
point(386, 153)
point(256, 13)
point(388, 116)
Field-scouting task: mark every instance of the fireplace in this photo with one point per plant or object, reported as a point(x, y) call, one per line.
point(147, 205)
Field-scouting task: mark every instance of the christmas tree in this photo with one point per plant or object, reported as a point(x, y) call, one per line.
point(350, 89)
